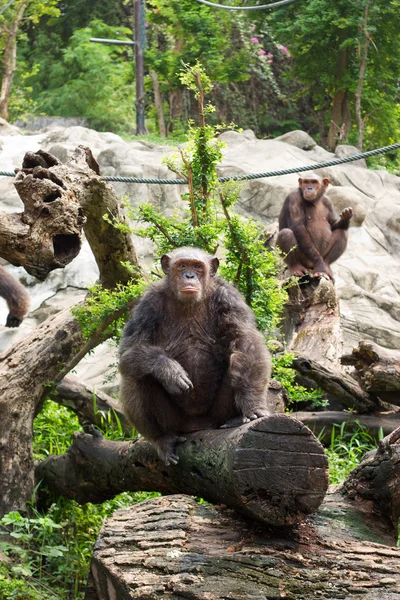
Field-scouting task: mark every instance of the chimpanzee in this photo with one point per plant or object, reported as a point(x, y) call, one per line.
point(16, 296)
point(311, 234)
point(191, 357)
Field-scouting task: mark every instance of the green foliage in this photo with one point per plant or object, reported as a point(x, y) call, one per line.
point(92, 80)
point(104, 303)
point(282, 371)
point(348, 444)
point(52, 550)
point(210, 220)
point(313, 29)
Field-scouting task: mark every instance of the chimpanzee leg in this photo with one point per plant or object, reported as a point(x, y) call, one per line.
point(243, 394)
point(294, 259)
point(337, 245)
point(153, 413)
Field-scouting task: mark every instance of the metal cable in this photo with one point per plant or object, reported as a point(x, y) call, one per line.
point(257, 7)
point(330, 163)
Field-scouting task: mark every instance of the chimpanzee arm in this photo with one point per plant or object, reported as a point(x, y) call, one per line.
point(295, 220)
point(249, 359)
point(139, 353)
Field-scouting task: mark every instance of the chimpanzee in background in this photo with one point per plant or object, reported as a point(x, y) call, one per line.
point(311, 234)
point(16, 296)
point(191, 357)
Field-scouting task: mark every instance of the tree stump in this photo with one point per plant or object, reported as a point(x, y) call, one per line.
point(272, 469)
point(174, 548)
point(312, 321)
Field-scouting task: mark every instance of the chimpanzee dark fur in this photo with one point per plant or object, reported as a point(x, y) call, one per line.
point(191, 357)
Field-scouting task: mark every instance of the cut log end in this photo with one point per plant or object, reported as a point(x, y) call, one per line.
point(281, 470)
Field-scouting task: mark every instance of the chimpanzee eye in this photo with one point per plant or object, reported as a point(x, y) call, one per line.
point(182, 267)
point(198, 267)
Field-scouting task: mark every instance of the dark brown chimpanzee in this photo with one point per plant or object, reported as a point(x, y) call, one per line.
point(16, 296)
point(191, 357)
point(311, 234)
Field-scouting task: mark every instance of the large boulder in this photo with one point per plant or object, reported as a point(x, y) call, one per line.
point(367, 275)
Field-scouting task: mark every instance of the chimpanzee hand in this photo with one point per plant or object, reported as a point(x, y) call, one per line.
point(174, 378)
point(346, 214)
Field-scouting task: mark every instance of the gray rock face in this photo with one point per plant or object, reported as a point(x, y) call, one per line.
point(367, 275)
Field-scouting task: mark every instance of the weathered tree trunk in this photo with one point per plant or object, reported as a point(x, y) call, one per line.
point(361, 75)
point(28, 368)
point(312, 322)
point(9, 58)
point(340, 123)
point(174, 548)
point(158, 104)
point(273, 469)
point(377, 369)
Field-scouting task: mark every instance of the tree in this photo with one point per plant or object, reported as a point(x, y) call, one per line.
point(339, 54)
point(10, 23)
point(94, 81)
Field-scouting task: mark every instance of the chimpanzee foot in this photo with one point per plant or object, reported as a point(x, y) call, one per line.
point(298, 270)
point(165, 447)
point(238, 421)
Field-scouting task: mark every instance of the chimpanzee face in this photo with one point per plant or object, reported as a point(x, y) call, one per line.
point(189, 273)
point(312, 188)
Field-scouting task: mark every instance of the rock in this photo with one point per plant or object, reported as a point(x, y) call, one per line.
point(39, 123)
point(343, 150)
point(6, 129)
point(298, 138)
point(367, 275)
point(344, 196)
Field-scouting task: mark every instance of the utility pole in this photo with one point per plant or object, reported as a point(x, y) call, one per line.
point(139, 43)
point(140, 40)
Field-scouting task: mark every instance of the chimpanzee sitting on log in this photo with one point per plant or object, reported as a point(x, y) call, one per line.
point(310, 233)
point(191, 357)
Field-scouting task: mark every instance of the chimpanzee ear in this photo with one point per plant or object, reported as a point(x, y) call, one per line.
point(165, 263)
point(214, 264)
point(300, 180)
point(325, 182)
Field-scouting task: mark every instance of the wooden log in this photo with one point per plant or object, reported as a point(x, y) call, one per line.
point(311, 323)
point(272, 469)
point(377, 369)
point(174, 548)
point(341, 386)
point(321, 423)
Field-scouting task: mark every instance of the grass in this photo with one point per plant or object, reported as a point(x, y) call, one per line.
point(51, 550)
point(46, 555)
point(347, 446)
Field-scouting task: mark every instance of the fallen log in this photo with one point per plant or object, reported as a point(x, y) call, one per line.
point(321, 423)
point(339, 385)
point(377, 369)
point(272, 469)
point(91, 408)
point(174, 548)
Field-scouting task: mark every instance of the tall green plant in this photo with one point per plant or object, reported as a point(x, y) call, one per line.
point(210, 221)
